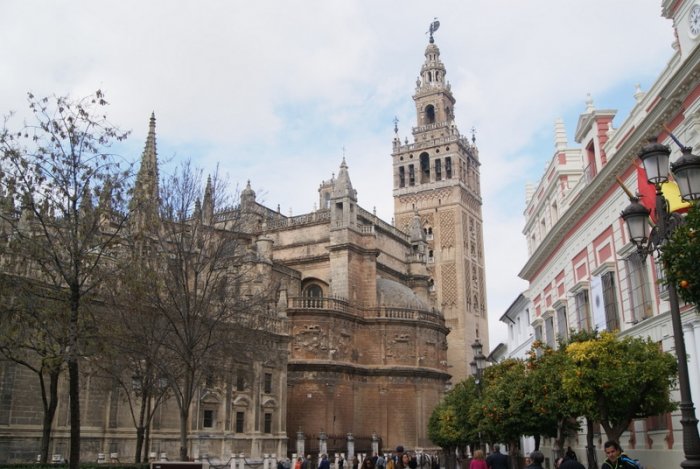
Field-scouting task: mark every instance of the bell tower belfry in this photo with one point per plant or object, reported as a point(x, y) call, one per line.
point(437, 177)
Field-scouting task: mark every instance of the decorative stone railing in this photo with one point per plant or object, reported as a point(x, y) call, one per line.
point(379, 312)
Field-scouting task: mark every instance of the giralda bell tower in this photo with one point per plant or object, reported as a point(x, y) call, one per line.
point(437, 177)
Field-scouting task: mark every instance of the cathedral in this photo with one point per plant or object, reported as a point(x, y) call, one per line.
point(377, 319)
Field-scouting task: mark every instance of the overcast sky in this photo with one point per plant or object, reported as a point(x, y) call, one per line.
point(278, 91)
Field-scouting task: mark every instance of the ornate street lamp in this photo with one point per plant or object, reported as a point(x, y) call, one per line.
point(686, 171)
point(477, 365)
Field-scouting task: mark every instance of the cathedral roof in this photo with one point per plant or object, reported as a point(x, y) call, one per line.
point(394, 294)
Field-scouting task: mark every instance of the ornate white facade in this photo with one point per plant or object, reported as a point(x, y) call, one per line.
point(583, 271)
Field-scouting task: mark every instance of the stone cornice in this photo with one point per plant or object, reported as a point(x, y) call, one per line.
point(360, 370)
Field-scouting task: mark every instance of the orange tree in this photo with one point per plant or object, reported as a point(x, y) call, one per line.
point(502, 412)
point(553, 411)
point(450, 426)
point(681, 255)
point(615, 380)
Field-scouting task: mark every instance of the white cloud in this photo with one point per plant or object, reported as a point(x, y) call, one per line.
point(275, 89)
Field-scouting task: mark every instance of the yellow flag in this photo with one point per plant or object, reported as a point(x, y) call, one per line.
point(673, 195)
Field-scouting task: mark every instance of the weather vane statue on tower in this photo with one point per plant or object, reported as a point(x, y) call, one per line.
point(433, 27)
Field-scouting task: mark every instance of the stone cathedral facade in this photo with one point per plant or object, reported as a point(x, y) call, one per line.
point(378, 317)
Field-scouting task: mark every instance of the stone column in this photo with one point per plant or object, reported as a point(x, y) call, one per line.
point(300, 444)
point(351, 450)
point(375, 444)
point(322, 443)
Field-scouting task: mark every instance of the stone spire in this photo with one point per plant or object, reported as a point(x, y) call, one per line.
point(145, 202)
point(342, 186)
point(208, 203)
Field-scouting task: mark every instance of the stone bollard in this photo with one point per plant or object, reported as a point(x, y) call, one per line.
point(241, 461)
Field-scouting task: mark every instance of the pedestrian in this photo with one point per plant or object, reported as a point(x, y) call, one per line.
point(478, 461)
point(355, 462)
point(497, 460)
point(297, 463)
point(325, 463)
point(570, 454)
point(536, 460)
point(368, 464)
point(380, 463)
point(616, 458)
point(570, 464)
point(407, 462)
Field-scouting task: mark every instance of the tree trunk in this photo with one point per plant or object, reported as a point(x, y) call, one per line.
point(537, 438)
point(139, 443)
point(140, 430)
point(184, 411)
point(590, 445)
point(514, 453)
point(49, 412)
point(74, 378)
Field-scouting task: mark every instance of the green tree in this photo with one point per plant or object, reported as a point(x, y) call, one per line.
point(616, 380)
point(450, 425)
point(56, 168)
point(503, 411)
point(555, 412)
point(681, 256)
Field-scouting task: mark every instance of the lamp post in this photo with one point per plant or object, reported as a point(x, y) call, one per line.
point(477, 365)
point(686, 171)
point(477, 369)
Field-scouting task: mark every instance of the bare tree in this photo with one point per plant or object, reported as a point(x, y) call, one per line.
point(31, 337)
point(204, 284)
point(69, 187)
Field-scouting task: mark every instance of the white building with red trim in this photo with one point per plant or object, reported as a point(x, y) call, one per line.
point(583, 270)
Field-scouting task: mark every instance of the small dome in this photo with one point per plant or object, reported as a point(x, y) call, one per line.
point(391, 293)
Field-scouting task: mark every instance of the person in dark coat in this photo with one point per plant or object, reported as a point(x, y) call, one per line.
point(536, 460)
point(571, 464)
point(497, 460)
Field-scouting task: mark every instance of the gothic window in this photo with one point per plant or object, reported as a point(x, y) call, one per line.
point(638, 291)
point(430, 113)
point(402, 177)
point(240, 381)
point(411, 175)
point(208, 418)
point(448, 167)
point(268, 423)
point(268, 383)
point(240, 422)
point(424, 168)
point(438, 170)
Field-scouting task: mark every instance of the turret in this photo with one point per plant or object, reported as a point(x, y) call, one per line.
point(343, 200)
